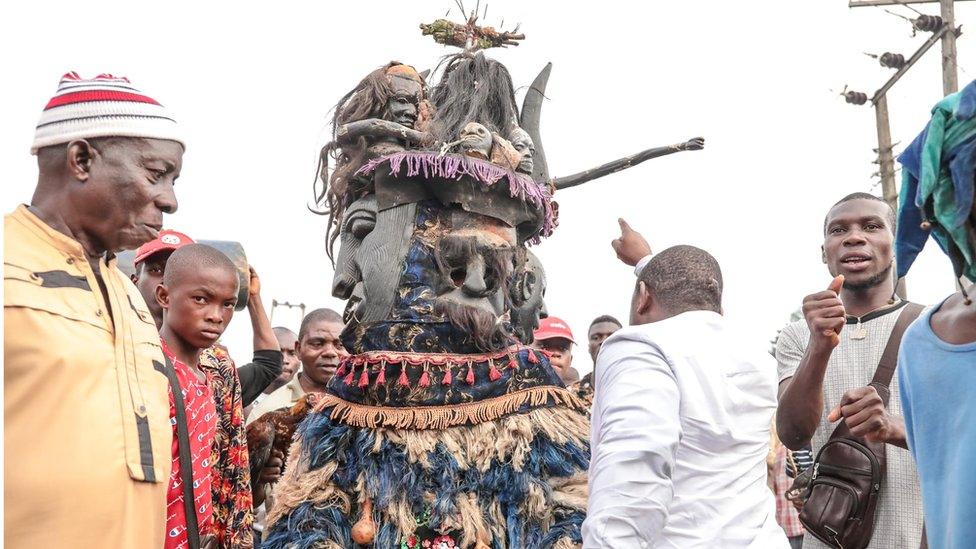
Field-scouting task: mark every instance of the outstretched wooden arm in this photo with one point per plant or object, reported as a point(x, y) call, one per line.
point(377, 127)
point(568, 181)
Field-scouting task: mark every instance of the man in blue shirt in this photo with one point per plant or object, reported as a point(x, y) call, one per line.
point(937, 362)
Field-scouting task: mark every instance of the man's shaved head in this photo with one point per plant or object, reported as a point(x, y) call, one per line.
point(195, 257)
point(863, 196)
point(684, 278)
point(281, 331)
point(323, 315)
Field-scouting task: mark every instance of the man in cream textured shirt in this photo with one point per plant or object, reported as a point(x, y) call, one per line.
point(680, 426)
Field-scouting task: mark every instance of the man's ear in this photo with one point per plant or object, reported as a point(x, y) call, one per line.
point(644, 298)
point(79, 157)
point(162, 296)
point(297, 346)
point(823, 254)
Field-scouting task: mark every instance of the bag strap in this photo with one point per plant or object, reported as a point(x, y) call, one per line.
point(186, 467)
point(889, 357)
point(886, 367)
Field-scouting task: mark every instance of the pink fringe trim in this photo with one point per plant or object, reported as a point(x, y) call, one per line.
point(454, 166)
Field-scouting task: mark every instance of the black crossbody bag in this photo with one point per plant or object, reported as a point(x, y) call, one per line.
point(841, 498)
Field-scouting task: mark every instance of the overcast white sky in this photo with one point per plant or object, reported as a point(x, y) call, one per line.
point(253, 83)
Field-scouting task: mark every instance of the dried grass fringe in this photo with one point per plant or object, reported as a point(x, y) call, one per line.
point(566, 543)
point(570, 492)
point(507, 440)
point(299, 485)
point(442, 417)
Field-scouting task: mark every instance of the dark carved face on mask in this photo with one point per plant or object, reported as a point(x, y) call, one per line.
point(528, 292)
point(426, 260)
point(524, 145)
point(373, 246)
point(403, 105)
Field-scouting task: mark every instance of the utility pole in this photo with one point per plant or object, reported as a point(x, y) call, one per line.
point(950, 74)
point(275, 304)
point(879, 100)
point(943, 29)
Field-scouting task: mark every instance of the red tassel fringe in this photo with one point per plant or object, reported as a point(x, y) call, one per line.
point(364, 379)
point(447, 376)
point(511, 362)
point(381, 379)
point(470, 377)
point(348, 379)
point(494, 374)
point(532, 357)
point(424, 380)
point(342, 369)
point(403, 381)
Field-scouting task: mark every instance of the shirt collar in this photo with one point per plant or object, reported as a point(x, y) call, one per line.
point(296, 387)
point(59, 240)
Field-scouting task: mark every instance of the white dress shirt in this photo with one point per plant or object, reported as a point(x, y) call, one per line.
point(679, 436)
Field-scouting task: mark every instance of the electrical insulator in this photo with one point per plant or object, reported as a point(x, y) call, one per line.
point(928, 23)
point(856, 98)
point(892, 60)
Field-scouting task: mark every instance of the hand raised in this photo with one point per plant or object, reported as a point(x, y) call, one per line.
point(254, 285)
point(631, 247)
point(825, 315)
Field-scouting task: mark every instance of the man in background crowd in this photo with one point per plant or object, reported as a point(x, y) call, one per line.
point(554, 336)
point(288, 344)
point(319, 349)
point(601, 328)
point(150, 265)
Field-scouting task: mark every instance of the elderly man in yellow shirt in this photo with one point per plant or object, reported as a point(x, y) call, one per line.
point(87, 439)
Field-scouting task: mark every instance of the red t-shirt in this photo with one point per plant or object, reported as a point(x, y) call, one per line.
point(201, 419)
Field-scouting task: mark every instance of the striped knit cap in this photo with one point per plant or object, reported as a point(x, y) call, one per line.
point(103, 106)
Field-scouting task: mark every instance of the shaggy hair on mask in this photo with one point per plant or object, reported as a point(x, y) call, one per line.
point(684, 278)
point(473, 88)
point(488, 332)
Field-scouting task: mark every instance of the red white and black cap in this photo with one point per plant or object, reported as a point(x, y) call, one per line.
point(551, 328)
point(104, 106)
point(167, 240)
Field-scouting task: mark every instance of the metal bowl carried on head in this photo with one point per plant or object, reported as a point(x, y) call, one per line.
point(233, 250)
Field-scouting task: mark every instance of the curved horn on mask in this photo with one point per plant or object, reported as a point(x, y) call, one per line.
point(568, 181)
point(529, 121)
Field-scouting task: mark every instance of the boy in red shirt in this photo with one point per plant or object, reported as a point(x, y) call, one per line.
point(198, 295)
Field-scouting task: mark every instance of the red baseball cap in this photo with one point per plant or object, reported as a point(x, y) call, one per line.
point(552, 327)
point(167, 240)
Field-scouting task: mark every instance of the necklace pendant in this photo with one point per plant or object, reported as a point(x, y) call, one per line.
point(859, 333)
